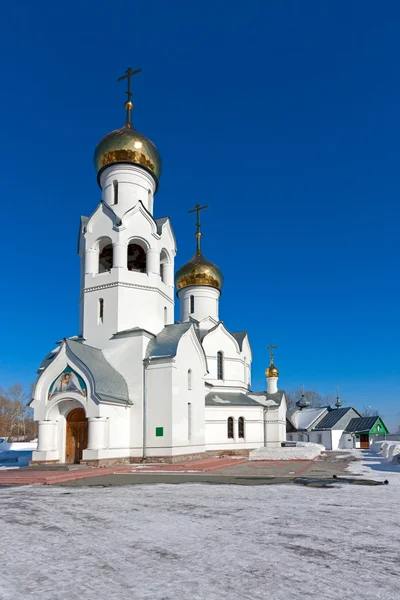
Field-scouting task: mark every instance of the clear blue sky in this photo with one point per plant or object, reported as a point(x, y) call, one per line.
point(284, 117)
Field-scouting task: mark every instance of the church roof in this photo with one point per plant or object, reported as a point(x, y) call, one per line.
point(239, 337)
point(165, 344)
point(267, 399)
point(108, 383)
point(304, 419)
point(332, 418)
point(361, 424)
point(160, 222)
point(230, 399)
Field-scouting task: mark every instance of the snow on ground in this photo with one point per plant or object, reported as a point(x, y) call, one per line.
point(201, 542)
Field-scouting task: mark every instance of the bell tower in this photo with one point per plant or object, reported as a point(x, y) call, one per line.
point(127, 255)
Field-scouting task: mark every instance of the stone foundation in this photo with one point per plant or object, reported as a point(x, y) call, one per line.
point(113, 462)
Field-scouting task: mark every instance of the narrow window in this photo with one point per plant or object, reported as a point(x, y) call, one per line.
point(189, 417)
point(136, 258)
point(115, 190)
point(230, 428)
point(241, 427)
point(191, 305)
point(190, 379)
point(220, 365)
point(319, 438)
point(301, 437)
point(106, 258)
point(290, 438)
point(101, 309)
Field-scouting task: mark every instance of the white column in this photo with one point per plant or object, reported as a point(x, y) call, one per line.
point(97, 433)
point(91, 261)
point(153, 261)
point(47, 436)
point(168, 274)
point(272, 385)
point(120, 255)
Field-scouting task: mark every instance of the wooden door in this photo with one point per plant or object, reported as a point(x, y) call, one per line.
point(364, 441)
point(77, 435)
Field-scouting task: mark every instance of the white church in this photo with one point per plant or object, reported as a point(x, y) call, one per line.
point(134, 384)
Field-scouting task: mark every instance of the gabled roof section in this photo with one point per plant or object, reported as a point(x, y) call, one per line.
point(266, 399)
point(333, 417)
point(230, 399)
point(160, 222)
point(239, 337)
point(361, 424)
point(165, 344)
point(109, 385)
point(304, 419)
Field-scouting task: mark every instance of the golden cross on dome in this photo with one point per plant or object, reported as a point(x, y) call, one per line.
point(271, 353)
point(197, 210)
point(128, 104)
point(128, 74)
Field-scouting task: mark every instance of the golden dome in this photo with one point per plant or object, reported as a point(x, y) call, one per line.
point(272, 371)
point(199, 271)
point(127, 145)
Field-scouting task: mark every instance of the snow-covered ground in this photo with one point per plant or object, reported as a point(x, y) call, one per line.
point(201, 542)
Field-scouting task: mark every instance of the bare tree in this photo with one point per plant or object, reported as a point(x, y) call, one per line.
point(15, 416)
point(314, 398)
point(368, 411)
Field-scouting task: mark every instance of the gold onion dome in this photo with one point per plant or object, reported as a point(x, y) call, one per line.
point(272, 371)
point(127, 145)
point(199, 271)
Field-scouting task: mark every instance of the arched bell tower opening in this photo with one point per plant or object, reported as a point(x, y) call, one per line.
point(76, 439)
point(136, 257)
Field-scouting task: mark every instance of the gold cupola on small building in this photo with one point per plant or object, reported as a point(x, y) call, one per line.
point(272, 372)
point(199, 283)
point(199, 270)
point(127, 145)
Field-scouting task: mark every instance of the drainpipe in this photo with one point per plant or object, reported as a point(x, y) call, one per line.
point(146, 362)
point(265, 426)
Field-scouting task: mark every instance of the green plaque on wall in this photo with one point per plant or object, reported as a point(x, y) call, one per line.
point(159, 431)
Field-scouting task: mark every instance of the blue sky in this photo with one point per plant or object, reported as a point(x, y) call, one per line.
point(284, 118)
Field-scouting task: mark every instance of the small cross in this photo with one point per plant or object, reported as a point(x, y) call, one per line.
point(128, 74)
point(197, 210)
point(271, 353)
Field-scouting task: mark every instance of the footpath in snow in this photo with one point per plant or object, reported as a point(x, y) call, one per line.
point(203, 542)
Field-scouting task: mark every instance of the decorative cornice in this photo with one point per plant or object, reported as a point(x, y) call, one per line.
point(128, 285)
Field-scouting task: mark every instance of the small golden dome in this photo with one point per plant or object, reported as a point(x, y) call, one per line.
point(199, 271)
point(127, 145)
point(272, 371)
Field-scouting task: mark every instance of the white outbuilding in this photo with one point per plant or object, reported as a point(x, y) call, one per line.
point(134, 384)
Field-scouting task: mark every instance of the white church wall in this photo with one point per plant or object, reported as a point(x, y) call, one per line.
point(218, 340)
point(134, 184)
point(159, 389)
point(205, 302)
point(188, 389)
point(336, 435)
point(217, 427)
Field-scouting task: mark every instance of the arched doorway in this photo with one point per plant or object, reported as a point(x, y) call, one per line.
point(77, 435)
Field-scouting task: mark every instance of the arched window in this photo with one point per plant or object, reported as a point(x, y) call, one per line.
point(165, 315)
point(220, 365)
point(241, 427)
point(230, 428)
point(101, 309)
point(190, 379)
point(105, 258)
point(136, 258)
point(189, 418)
point(115, 192)
point(164, 261)
point(191, 304)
